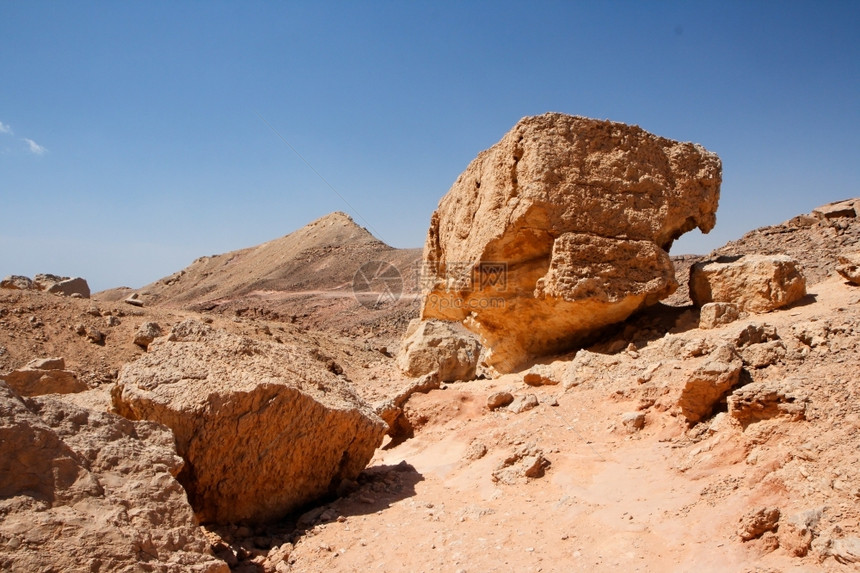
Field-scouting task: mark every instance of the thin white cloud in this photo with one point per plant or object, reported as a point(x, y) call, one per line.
point(5, 128)
point(34, 147)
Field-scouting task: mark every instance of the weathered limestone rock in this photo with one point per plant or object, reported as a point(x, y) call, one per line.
point(17, 282)
point(391, 410)
point(498, 400)
point(146, 333)
point(845, 550)
point(91, 491)
point(71, 287)
point(523, 403)
point(437, 346)
point(753, 333)
point(709, 383)
point(769, 399)
point(757, 521)
point(714, 314)
point(65, 286)
point(265, 428)
point(838, 209)
point(797, 532)
point(764, 354)
point(43, 376)
point(527, 461)
point(561, 229)
point(849, 267)
point(540, 375)
point(632, 422)
point(133, 299)
point(755, 283)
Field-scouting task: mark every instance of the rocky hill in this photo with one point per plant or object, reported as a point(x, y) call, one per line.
point(306, 277)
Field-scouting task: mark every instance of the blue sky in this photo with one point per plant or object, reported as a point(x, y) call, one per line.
point(131, 138)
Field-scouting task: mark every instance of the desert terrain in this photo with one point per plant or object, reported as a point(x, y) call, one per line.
point(629, 451)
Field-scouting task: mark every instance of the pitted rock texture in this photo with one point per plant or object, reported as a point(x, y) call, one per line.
point(849, 267)
point(65, 286)
point(17, 282)
point(264, 428)
point(91, 491)
point(33, 380)
point(562, 228)
point(437, 346)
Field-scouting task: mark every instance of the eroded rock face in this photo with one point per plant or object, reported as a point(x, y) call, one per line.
point(849, 267)
point(562, 228)
point(715, 314)
point(65, 286)
point(765, 400)
point(436, 346)
point(91, 491)
point(146, 333)
point(265, 428)
point(848, 208)
point(43, 376)
point(754, 283)
point(709, 383)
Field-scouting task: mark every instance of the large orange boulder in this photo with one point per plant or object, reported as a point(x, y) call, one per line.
point(560, 229)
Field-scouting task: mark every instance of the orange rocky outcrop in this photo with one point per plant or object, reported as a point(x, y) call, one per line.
point(264, 427)
point(563, 228)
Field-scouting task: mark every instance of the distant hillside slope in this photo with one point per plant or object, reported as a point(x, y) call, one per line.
point(321, 256)
point(815, 240)
point(305, 277)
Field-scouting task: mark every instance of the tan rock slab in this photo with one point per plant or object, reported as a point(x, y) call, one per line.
point(265, 428)
point(754, 283)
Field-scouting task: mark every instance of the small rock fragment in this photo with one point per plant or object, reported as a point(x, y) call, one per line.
point(146, 333)
point(94, 335)
point(499, 400)
point(540, 375)
point(764, 354)
point(709, 383)
point(796, 532)
point(633, 421)
point(849, 267)
point(523, 403)
point(528, 461)
point(133, 299)
point(476, 450)
point(845, 550)
point(755, 333)
point(768, 399)
point(714, 314)
point(757, 521)
point(58, 363)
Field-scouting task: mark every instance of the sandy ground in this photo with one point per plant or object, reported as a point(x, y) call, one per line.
point(665, 498)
